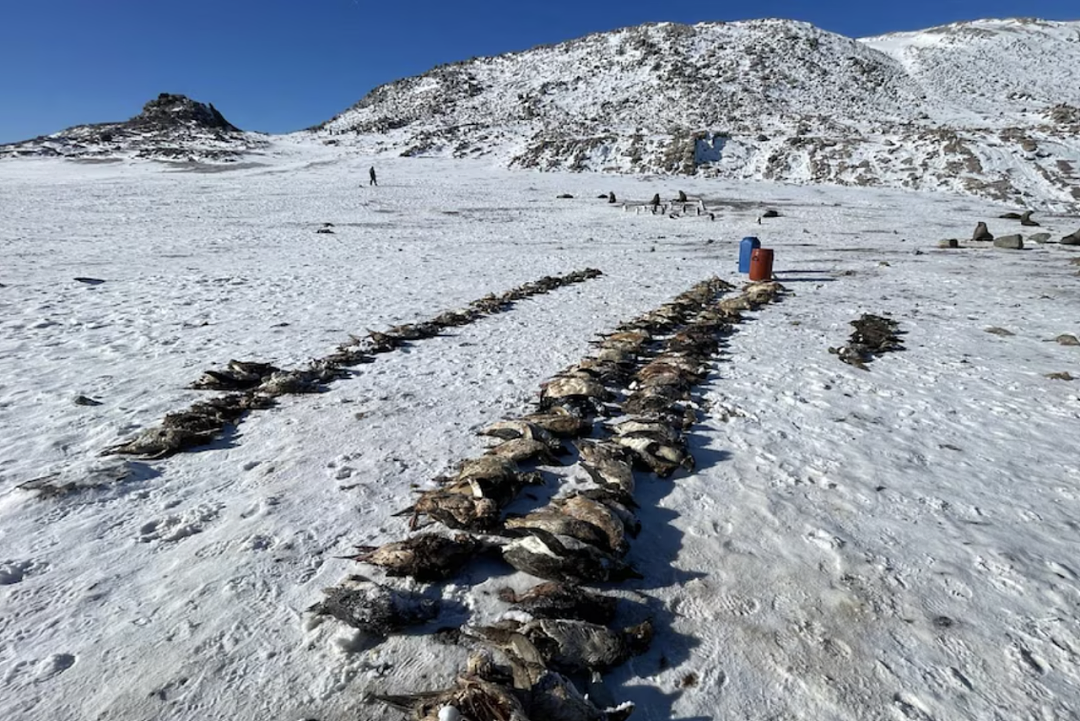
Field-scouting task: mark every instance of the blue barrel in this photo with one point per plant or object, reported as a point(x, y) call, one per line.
point(746, 247)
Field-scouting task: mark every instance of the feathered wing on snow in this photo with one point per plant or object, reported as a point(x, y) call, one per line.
point(990, 107)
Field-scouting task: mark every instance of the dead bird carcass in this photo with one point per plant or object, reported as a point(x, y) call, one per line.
point(373, 608)
point(570, 646)
point(608, 465)
point(559, 600)
point(426, 557)
point(562, 558)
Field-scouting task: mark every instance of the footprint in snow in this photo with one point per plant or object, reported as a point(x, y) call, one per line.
point(12, 572)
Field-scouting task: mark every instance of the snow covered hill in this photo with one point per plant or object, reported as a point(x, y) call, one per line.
point(171, 127)
point(989, 107)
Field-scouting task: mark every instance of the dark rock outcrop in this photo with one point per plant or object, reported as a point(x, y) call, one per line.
point(170, 127)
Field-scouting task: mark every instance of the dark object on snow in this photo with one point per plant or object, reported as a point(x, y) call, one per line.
point(570, 646)
point(325, 230)
point(90, 281)
point(561, 558)
point(471, 696)
point(197, 426)
point(84, 401)
point(1010, 216)
point(559, 600)
point(237, 376)
point(873, 336)
point(1073, 239)
point(425, 558)
point(682, 197)
point(982, 233)
point(611, 197)
point(1010, 242)
point(771, 214)
point(1026, 220)
point(564, 196)
point(655, 200)
point(374, 608)
point(371, 176)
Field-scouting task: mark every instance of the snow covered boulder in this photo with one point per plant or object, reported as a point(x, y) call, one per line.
point(1010, 242)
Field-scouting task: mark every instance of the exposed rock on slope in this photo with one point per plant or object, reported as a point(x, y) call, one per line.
point(771, 99)
point(169, 127)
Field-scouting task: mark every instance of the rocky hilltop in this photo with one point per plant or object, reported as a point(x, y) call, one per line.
point(990, 107)
point(171, 127)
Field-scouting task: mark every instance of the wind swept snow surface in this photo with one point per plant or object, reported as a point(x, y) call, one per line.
point(892, 543)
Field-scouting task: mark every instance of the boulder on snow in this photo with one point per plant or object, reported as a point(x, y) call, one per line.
point(949, 243)
point(982, 232)
point(770, 214)
point(1039, 238)
point(1010, 242)
point(564, 196)
point(1073, 239)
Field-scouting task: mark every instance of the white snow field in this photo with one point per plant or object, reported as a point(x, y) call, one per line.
point(899, 543)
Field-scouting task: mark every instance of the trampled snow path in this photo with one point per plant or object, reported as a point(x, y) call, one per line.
point(834, 555)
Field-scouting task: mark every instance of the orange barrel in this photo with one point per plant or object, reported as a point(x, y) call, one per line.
point(761, 264)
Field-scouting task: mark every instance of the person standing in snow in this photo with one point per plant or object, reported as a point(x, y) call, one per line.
point(371, 174)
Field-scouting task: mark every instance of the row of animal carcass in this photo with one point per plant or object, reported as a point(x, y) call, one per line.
point(577, 539)
point(254, 385)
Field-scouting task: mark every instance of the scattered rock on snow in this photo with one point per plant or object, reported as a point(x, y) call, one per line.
point(84, 401)
point(1039, 238)
point(999, 331)
point(90, 281)
point(1010, 242)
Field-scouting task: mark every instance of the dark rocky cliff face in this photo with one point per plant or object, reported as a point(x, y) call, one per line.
point(170, 111)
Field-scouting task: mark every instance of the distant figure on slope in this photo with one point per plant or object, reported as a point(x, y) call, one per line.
point(371, 174)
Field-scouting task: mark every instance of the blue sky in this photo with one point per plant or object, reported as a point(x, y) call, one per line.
point(278, 65)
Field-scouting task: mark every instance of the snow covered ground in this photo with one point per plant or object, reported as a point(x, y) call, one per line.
point(898, 543)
